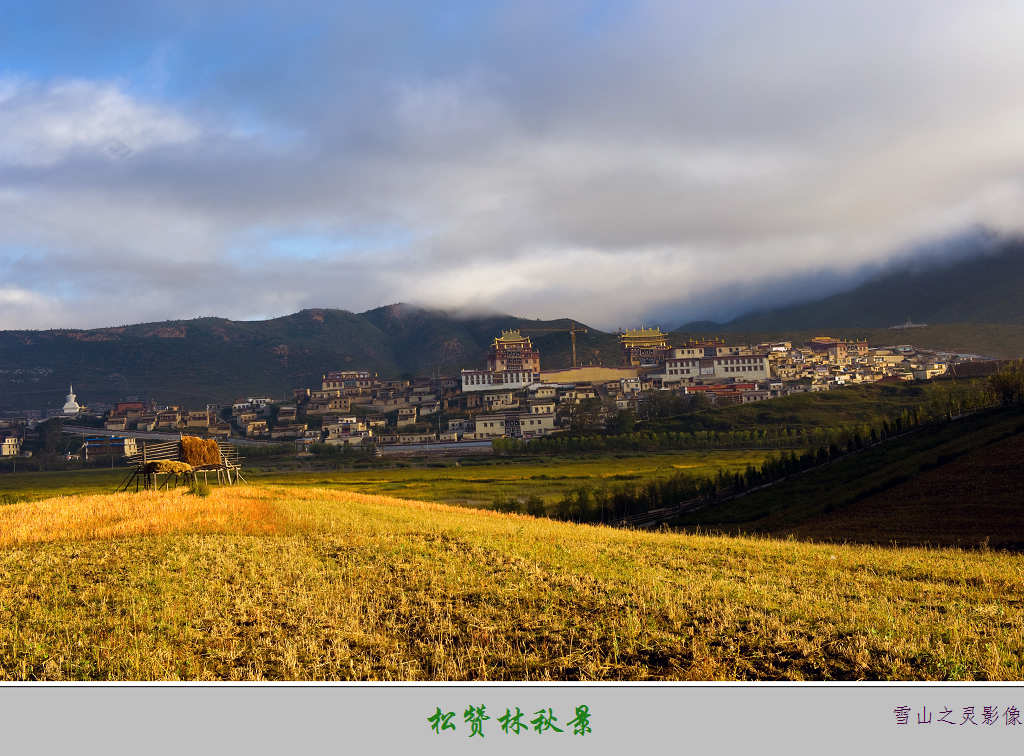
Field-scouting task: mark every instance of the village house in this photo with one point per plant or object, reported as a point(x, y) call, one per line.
point(109, 447)
point(146, 422)
point(324, 406)
point(544, 392)
point(337, 379)
point(577, 395)
point(497, 426)
point(514, 424)
point(288, 431)
point(500, 400)
point(406, 416)
point(169, 419)
point(386, 405)
point(248, 416)
point(416, 438)
point(286, 414)
point(255, 428)
point(10, 446)
point(116, 423)
point(429, 409)
point(461, 425)
point(219, 429)
point(348, 431)
point(542, 407)
point(743, 367)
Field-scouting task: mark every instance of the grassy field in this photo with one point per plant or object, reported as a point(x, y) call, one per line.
point(303, 583)
point(480, 484)
point(39, 485)
point(475, 484)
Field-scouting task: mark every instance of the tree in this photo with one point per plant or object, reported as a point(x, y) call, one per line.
point(584, 416)
point(624, 421)
point(50, 435)
point(1008, 383)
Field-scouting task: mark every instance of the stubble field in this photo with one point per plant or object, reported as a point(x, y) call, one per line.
point(278, 582)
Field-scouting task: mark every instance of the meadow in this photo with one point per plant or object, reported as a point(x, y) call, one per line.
point(293, 582)
point(470, 482)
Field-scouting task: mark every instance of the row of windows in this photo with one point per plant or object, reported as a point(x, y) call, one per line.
point(743, 369)
point(488, 378)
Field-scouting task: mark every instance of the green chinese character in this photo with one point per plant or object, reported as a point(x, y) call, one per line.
point(512, 722)
point(581, 725)
point(543, 722)
point(441, 721)
point(476, 717)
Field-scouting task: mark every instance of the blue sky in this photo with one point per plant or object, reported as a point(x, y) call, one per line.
point(605, 161)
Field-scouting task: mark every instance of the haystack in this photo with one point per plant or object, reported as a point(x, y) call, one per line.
point(200, 452)
point(167, 466)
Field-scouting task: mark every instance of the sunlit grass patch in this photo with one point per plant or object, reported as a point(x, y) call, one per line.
point(243, 510)
point(314, 583)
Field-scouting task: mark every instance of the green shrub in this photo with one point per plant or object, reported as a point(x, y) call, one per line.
point(199, 488)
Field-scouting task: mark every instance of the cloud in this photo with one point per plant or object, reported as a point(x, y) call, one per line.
point(45, 124)
point(606, 164)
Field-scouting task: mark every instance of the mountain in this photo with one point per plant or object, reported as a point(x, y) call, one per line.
point(972, 302)
point(214, 360)
point(983, 287)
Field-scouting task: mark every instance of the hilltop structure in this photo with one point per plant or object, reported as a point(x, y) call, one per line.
point(71, 407)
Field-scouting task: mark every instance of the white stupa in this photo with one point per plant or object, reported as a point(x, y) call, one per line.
point(71, 407)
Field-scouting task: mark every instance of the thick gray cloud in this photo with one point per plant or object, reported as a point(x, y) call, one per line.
point(661, 158)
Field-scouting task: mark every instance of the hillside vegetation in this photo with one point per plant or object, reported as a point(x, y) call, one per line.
point(955, 483)
point(273, 583)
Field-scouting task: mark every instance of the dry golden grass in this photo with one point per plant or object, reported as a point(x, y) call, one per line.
point(132, 514)
point(298, 583)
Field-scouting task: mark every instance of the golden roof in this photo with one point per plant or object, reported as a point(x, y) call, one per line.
point(649, 336)
point(512, 337)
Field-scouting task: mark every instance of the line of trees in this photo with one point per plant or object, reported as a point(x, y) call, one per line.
point(586, 504)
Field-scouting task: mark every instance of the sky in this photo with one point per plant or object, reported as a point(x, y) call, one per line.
point(606, 161)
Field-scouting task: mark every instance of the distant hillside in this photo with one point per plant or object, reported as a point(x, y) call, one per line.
point(983, 287)
point(956, 484)
point(214, 359)
point(972, 305)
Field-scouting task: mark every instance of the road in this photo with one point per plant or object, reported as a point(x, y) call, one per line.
point(85, 430)
point(447, 447)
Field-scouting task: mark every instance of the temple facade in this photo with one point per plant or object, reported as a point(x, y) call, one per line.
point(512, 363)
point(643, 346)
